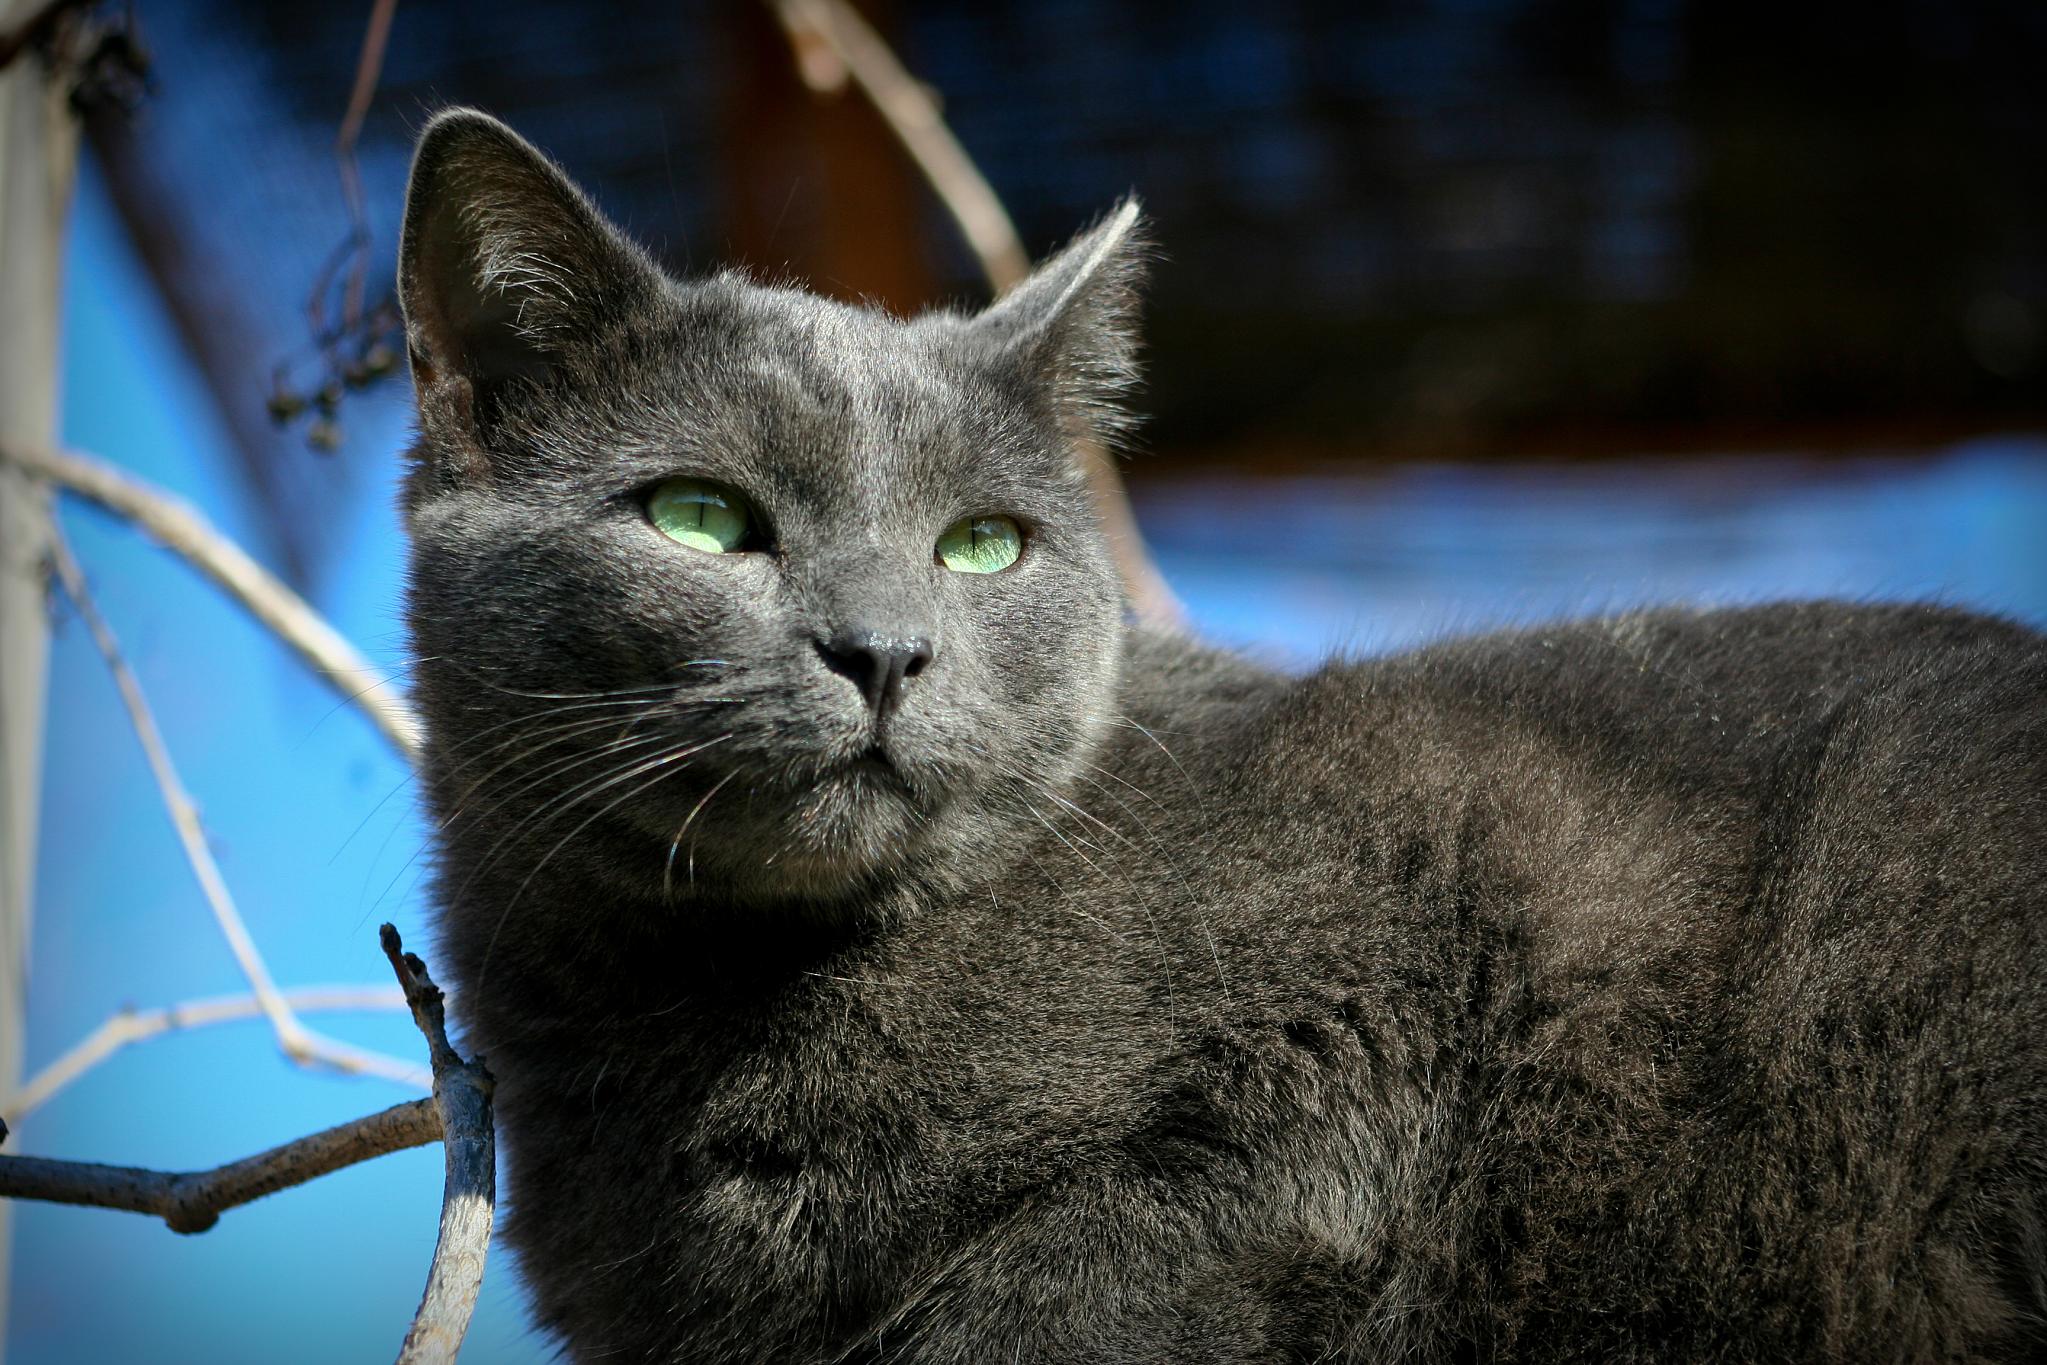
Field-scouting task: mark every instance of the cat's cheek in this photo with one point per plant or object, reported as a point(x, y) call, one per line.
point(681, 603)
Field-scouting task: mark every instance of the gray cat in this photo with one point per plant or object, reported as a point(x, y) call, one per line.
point(888, 954)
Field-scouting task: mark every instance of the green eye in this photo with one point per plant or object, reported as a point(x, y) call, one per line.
point(700, 515)
point(980, 544)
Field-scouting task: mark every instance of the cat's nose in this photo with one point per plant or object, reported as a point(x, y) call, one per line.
point(876, 662)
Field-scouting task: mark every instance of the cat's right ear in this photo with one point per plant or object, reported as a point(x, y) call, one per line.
point(502, 263)
point(1074, 321)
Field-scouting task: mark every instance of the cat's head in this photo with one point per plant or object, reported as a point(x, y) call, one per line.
point(732, 590)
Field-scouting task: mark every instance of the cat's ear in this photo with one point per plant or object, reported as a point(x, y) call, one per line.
point(1074, 321)
point(502, 262)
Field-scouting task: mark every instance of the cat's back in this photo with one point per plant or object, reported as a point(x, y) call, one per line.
point(1721, 927)
point(1699, 698)
point(1693, 797)
point(1934, 716)
point(1638, 764)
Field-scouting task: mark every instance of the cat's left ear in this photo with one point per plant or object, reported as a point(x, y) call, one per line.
point(1074, 321)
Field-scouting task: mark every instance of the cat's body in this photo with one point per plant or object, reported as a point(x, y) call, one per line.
point(1663, 987)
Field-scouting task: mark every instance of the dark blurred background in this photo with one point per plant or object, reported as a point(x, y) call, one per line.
point(1390, 231)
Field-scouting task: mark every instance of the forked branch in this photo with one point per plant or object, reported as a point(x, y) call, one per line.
point(459, 1114)
point(126, 1027)
point(462, 1093)
point(298, 1042)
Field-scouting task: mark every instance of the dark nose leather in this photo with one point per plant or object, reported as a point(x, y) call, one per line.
point(876, 662)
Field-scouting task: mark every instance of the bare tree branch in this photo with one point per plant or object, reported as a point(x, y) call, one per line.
point(368, 67)
point(817, 26)
point(831, 41)
point(1150, 596)
point(130, 1026)
point(299, 1043)
point(39, 22)
point(462, 1093)
point(358, 346)
point(192, 1201)
point(181, 529)
point(459, 1114)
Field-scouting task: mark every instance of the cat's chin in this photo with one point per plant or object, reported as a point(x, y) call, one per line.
point(845, 831)
point(818, 883)
point(828, 841)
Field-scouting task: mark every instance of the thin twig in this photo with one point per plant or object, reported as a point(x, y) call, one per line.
point(182, 530)
point(459, 1114)
point(913, 116)
point(369, 66)
point(131, 1026)
point(830, 40)
point(462, 1092)
point(192, 1201)
point(299, 1043)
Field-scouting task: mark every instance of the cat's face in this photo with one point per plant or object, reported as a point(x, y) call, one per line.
point(784, 594)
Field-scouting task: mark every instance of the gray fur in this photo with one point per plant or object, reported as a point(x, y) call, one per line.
point(1658, 987)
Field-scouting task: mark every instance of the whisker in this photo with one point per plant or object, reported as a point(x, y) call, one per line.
point(412, 774)
point(544, 714)
point(552, 770)
point(668, 869)
point(657, 765)
point(549, 770)
point(1045, 789)
point(1142, 903)
point(1165, 855)
point(593, 786)
point(562, 800)
point(601, 693)
point(1161, 743)
point(546, 738)
point(1117, 777)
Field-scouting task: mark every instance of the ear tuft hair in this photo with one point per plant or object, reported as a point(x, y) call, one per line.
point(1075, 319)
point(503, 260)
